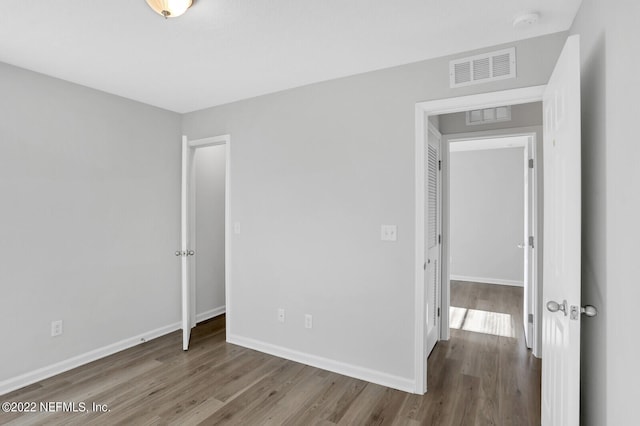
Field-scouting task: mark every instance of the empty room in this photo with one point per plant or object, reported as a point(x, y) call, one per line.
point(338, 212)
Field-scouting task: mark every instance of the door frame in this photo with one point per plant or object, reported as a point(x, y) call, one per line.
point(192, 146)
point(532, 289)
point(422, 112)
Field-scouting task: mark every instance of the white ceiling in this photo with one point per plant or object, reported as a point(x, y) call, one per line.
point(225, 50)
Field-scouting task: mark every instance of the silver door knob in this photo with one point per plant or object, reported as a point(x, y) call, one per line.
point(555, 306)
point(178, 253)
point(191, 253)
point(522, 245)
point(589, 310)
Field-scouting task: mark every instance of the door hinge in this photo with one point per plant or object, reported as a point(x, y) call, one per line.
point(531, 163)
point(530, 319)
point(531, 241)
point(438, 312)
point(439, 164)
point(439, 238)
point(425, 266)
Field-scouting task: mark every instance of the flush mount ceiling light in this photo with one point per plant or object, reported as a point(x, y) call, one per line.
point(170, 8)
point(526, 19)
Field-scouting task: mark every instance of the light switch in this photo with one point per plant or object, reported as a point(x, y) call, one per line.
point(388, 232)
point(236, 227)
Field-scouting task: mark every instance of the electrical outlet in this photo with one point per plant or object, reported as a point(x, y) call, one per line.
point(308, 321)
point(56, 328)
point(388, 232)
point(280, 315)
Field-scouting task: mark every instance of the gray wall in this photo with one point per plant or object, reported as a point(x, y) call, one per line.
point(487, 214)
point(521, 116)
point(315, 171)
point(611, 207)
point(210, 190)
point(623, 209)
point(89, 219)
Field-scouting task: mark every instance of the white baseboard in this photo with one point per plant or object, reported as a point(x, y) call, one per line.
point(31, 377)
point(500, 281)
point(373, 376)
point(211, 313)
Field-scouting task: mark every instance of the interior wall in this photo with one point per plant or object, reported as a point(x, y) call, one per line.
point(522, 115)
point(210, 167)
point(90, 192)
point(435, 121)
point(623, 207)
point(487, 215)
point(594, 393)
point(610, 208)
point(316, 170)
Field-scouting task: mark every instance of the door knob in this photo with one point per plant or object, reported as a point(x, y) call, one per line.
point(178, 253)
point(555, 306)
point(191, 253)
point(589, 310)
point(521, 245)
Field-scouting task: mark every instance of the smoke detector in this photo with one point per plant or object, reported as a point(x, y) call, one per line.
point(525, 20)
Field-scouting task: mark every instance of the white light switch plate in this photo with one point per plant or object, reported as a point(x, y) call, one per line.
point(388, 232)
point(236, 227)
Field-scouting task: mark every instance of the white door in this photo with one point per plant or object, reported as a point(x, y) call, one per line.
point(432, 237)
point(528, 242)
point(186, 252)
point(561, 273)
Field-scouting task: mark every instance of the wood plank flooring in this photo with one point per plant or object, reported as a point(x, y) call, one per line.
point(474, 379)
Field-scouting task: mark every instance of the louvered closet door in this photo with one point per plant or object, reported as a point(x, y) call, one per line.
point(432, 239)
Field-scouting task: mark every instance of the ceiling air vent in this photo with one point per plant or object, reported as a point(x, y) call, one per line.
point(483, 68)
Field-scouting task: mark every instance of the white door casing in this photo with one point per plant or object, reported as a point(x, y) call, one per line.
point(187, 231)
point(529, 238)
point(562, 222)
point(432, 235)
point(526, 139)
point(423, 111)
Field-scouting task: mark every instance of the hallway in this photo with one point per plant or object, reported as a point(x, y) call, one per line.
point(478, 378)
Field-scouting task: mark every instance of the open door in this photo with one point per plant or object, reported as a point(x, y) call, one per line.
point(188, 312)
point(530, 206)
point(432, 235)
point(562, 210)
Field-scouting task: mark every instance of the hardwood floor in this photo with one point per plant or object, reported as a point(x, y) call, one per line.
point(474, 379)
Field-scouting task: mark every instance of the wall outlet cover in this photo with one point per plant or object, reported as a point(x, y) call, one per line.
point(308, 321)
point(389, 233)
point(56, 328)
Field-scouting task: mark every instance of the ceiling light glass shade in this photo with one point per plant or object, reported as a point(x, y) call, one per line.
point(170, 8)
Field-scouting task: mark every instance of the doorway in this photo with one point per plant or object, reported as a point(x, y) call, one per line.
point(209, 230)
point(493, 214)
point(560, 378)
point(205, 242)
point(424, 112)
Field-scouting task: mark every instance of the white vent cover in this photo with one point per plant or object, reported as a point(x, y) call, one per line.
point(492, 66)
point(488, 115)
